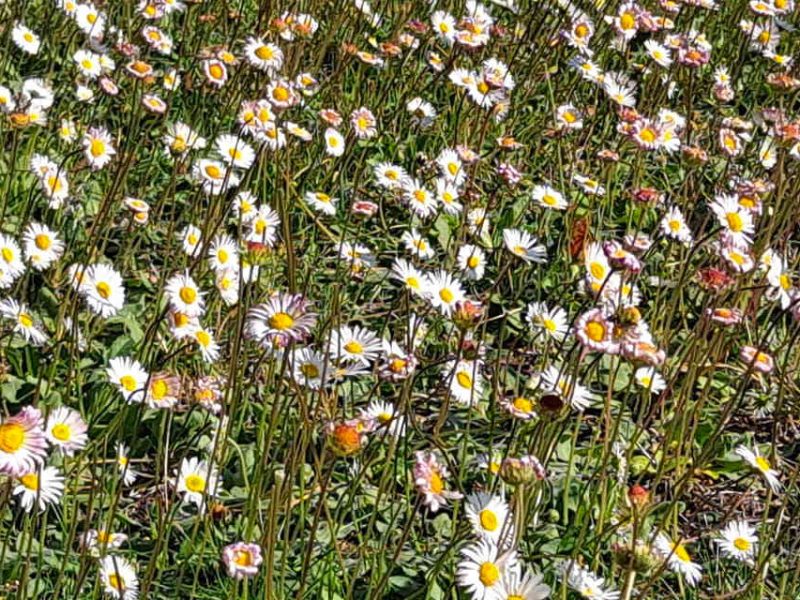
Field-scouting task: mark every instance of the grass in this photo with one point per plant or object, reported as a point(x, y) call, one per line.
point(318, 478)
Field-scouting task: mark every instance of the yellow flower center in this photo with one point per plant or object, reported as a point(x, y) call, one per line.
point(483, 87)
point(436, 484)
point(446, 295)
point(735, 222)
point(159, 389)
point(648, 135)
point(762, 463)
point(12, 437)
point(522, 404)
point(310, 370)
point(353, 347)
point(25, 320)
point(203, 338)
point(103, 289)
point(42, 241)
point(489, 574)
point(30, 481)
point(187, 294)
point(681, 553)
point(195, 483)
point(8, 254)
point(216, 71)
point(674, 225)
point(597, 270)
point(488, 519)
point(97, 148)
point(213, 171)
point(280, 93)
point(473, 262)
point(264, 52)
point(627, 21)
point(741, 544)
point(128, 382)
point(243, 558)
point(464, 380)
point(595, 330)
point(281, 321)
point(61, 432)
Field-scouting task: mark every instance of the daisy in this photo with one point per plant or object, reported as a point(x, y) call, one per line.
point(738, 540)
point(451, 167)
point(334, 142)
point(565, 387)
point(119, 578)
point(756, 359)
point(417, 245)
point(180, 139)
point(263, 55)
point(282, 319)
point(184, 295)
point(739, 258)
point(443, 291)
point(321, 202)
point(42, 246)
point(525, 586)
point(196, 480)
point(589, 185)
point(553, 321)
point(11, 265)
point(100, 540)
point(673, 225)
point(25, 39)
point(123, 466)
point(216, 72)
point(281, 94)
point(444, 26)
point(355, 343)
point(88, 63)
point(386, 417)
point(490, 518)
point(90, 20)
point(762, 465)
point(363, 123)
point(409, 275)
point(241, 559)
point(586, 583)
point(422, 113)
point(163, 390)
point(471, 261)
point(678, 559)
point(447, 194)
point(465, 380)
point(23, 444)
point(569, 117)
point(659, 53)
point(397, 363)
point(482, 568)
point(223, 254)
point(263, 226)
point(549, 197)
point(103, 289)
point(523, 245)
point(191, 238)
point(154, 104)
point(779, 279)
point(215, 177)
point(129, 377)
point(309, 368)
point(227, 283)
point(421, 201)
point(235, 151)
point(24, 323)
point(209, 348)
point(66, 430)
point(735, 220)
point(594, 331)
point(97, 147)
point(41, 487)
point(429, 478)
point(650, 379)
point(389, 175)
